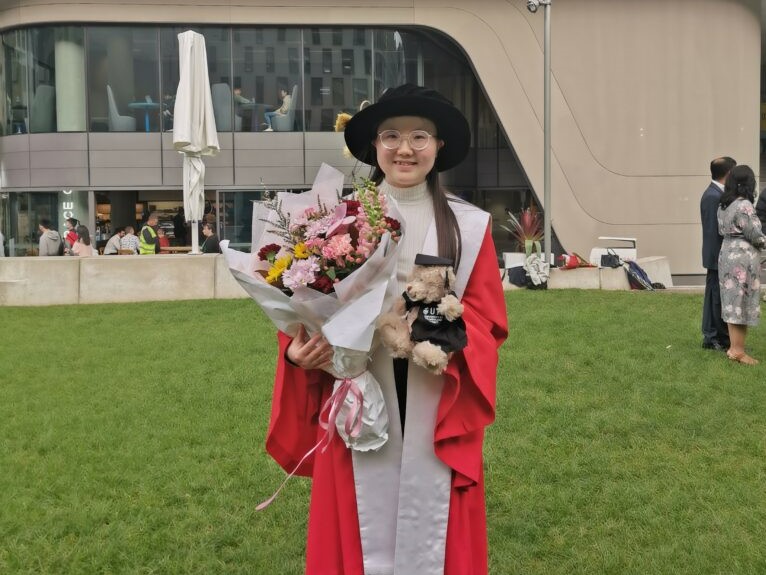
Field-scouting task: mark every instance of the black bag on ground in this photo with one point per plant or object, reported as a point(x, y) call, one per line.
point(518, 276)
point(610, 259)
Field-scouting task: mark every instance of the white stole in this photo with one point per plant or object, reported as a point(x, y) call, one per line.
point(402, 516)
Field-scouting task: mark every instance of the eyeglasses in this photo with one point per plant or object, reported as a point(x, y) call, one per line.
point(417, 139)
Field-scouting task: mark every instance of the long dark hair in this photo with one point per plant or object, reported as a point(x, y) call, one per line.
point(739, 184)
point(83, 235)
point(448, 238)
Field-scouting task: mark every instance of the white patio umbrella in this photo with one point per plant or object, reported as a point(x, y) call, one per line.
point(194, 132)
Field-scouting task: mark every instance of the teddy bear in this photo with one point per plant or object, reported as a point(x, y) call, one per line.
point(425, 323)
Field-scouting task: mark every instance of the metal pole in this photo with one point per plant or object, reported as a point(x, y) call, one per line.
point(195, 237)
point(547, 131)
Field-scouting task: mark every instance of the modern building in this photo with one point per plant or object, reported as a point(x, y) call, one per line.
point(644, 95)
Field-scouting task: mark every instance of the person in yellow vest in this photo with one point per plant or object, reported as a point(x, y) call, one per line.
point(148, 241)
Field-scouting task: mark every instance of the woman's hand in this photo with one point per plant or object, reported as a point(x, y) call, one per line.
point(307, 352)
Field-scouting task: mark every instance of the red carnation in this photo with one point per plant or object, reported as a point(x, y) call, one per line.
point(393, 224)
point(323, 284)
point(352, 207)
point(269, 252)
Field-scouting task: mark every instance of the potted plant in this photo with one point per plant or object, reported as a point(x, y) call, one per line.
point(527, 230)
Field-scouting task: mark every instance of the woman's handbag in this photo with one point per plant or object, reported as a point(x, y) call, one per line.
point(610, 259)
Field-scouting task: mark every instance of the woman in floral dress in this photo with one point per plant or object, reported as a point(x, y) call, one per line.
point(739, 261)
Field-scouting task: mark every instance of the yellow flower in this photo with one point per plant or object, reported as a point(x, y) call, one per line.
point(301, 251)
point(279, 266)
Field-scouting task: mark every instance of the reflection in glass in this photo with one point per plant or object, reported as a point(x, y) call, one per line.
point(261, 70)
point(236, 218)
point(122, 79)
point(338, 80)
point(14, 77)
point(58, 79)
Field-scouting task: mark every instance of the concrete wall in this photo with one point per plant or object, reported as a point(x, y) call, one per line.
point(115, 279)
point(644, 95)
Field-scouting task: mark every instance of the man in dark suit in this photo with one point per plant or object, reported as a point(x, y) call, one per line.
point(715, 334)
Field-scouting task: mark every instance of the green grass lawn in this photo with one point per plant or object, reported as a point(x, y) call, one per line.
point(131, 441)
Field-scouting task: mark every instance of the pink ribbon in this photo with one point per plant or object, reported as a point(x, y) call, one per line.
point(329, 412)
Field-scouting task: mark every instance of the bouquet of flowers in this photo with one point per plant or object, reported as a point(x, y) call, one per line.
point(329, 263)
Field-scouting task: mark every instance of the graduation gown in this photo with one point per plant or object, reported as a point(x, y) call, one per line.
point(466, 406)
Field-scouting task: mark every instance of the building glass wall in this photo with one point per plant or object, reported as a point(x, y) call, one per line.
point(265, 61)
point(123, 78)
point(120, 78)
point(21, 212)
point(132, 75)
point(57, 79)
point(15, 82)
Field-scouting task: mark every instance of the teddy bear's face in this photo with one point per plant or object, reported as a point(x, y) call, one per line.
point(428, 283)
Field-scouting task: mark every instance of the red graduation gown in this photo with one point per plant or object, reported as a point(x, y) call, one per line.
point(466, 407)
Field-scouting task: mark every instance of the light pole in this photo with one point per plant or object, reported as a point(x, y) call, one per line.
point(532, 6)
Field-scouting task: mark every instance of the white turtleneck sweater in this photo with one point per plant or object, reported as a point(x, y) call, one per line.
point(417, 209)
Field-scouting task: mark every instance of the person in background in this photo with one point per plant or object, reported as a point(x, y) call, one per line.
point(287, 101)
point(71, 234)
point(760, 210)
point(715, 334)
point(739, 260)
point(179, 227)
point(163, 239)
point(239, 98)
point(129, 241)
point(50, 240)
point(113, 245)
point(82, 246)
point(210, 245)
point(148, 240)
point(168, 105)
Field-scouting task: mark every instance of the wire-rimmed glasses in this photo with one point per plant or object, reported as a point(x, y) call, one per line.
point(392, 139)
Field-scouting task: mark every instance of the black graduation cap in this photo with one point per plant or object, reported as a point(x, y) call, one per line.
point(426, 260)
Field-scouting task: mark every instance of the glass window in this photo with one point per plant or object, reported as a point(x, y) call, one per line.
point(58, 79)
point(123, 92)
point(260, 78)
point(218, 49)
point(347, 62)
point(15, 79)
point(391, 47)
point(292, 57)
point(236, 218)
point(21, 212)
point(338, 79)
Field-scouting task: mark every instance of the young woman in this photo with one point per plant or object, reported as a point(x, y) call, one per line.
point(417, 504)
point(82, 246)
point(739, 264)
point(71, 235)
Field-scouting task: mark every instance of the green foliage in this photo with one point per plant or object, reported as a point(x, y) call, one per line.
point(527, 229)
point(131, 441)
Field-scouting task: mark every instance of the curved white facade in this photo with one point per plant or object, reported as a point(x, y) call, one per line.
point(644, 94)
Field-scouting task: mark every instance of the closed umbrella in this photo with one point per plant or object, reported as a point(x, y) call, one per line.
point(194, 132)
